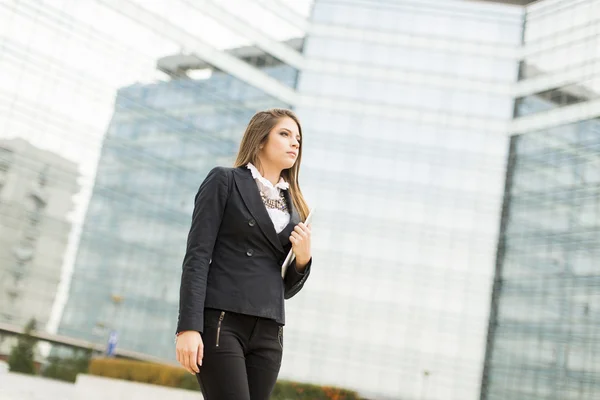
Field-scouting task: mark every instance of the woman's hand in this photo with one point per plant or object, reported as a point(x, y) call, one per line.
point(190, 350)
point(300, 239)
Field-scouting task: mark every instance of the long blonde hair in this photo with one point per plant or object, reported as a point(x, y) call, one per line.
point(256, 134)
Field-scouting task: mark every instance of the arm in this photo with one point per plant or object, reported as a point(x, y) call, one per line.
point(209, 205)
point(295, 277)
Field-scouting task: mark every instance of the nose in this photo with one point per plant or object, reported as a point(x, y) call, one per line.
point(295, 143)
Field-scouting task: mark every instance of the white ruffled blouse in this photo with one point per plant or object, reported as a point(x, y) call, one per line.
point(280, 218)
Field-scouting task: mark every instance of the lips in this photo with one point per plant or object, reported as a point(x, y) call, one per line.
point(293, 153)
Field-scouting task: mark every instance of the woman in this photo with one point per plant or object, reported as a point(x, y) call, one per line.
point(245, 219)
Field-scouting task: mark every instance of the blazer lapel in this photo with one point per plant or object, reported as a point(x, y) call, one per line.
point(251, 197)
point(284, 235)
point(294, 216)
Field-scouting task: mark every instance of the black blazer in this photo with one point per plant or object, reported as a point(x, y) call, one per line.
point(234, 255)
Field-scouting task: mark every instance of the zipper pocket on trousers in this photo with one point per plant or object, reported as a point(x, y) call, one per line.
point(280, 337)
point(219, 326)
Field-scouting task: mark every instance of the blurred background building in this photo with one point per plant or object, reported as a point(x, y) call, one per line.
point(543, 332)
point(409, 103)
point(36, 190)
point(544, 328)
point(162, 140)
point(450, 149)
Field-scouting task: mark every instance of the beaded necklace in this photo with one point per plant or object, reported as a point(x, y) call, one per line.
point(279, 204)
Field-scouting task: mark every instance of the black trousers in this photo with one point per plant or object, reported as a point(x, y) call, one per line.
point(242, 356)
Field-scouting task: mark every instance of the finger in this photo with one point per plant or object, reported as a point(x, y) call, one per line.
point(305, 233)
point(183, 361)
point(177, 356)
point(200, 354)
point(296, 236)
point(293, 240)
point(303, 229)
point(186, 361)
point(192, 357)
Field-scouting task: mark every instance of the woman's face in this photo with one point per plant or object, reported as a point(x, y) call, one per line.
point(282, 145)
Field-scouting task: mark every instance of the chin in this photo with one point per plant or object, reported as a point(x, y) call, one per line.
point(288, 165)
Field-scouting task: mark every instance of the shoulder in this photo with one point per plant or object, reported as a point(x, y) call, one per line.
point(219, 170)
point(217, 176)
point(225, 175)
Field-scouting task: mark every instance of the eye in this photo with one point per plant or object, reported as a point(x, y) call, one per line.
point(283, 133)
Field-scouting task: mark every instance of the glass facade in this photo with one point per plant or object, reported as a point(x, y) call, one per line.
point(546, 327)
point(407, 206)
point(543, 332)
point(163, 139)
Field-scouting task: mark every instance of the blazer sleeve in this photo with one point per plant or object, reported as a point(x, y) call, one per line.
point(294, 280)
point(209, 205)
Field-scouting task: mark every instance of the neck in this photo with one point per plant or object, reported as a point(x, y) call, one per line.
point(270, 173)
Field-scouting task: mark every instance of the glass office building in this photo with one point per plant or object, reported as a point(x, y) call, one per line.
point(163, 139)
point(409, 103)
point(544, 330)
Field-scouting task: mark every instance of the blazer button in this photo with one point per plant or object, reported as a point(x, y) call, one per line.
point(250, 252)
point(252, 222)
